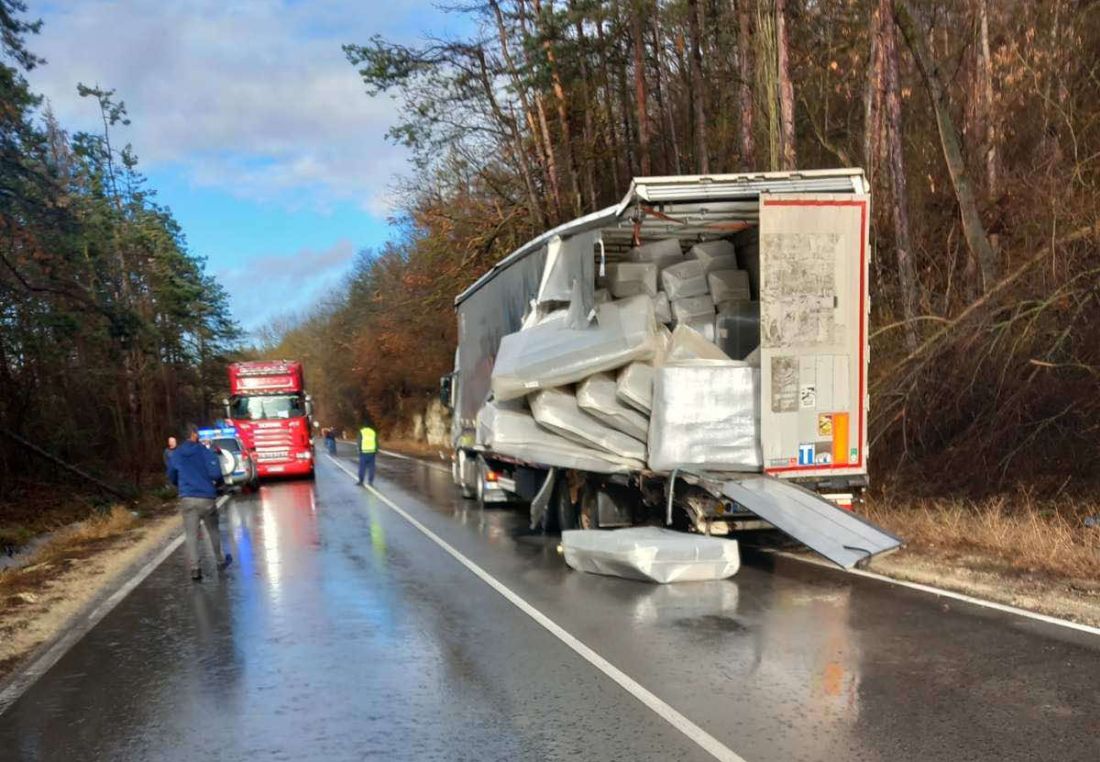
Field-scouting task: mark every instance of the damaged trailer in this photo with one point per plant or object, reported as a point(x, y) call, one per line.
point(695, 356)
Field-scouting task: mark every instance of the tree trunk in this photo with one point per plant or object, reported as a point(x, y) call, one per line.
point(588, 129)
point(786, 88)
point(986, 69)
point(543, 149)
point(637, 29)
point(695, 24)
point(744, 89)
point(872, 97)
point(907, 279)
point(767, 76)
point(620, 163)
point(973, 230)
point(672, 148)
point(562, 109)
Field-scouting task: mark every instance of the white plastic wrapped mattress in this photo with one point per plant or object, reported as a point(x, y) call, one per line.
point(690, 343)
point(557, 411)
point(634, 386)
point(552, 354)
point(596, 396)
point(515, 433)
point(729, 285)
point(693, 309)
point(650, 554)
point(688, 278)
point(708, 251)
point(706, 416)
point(625, 279)
point(662, 309)
point(661, 253)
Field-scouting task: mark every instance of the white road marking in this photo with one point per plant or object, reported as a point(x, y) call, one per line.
point(40, 666)
point(947, 594)
point(706, 741)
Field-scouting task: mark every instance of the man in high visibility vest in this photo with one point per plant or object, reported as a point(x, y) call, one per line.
point(367, 445)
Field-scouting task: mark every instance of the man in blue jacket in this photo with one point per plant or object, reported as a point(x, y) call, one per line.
point(195, 472)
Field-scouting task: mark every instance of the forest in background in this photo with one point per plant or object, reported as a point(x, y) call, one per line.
point(977, 122)
point(111, 332)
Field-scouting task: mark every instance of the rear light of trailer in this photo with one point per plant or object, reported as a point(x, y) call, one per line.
point(491, 476)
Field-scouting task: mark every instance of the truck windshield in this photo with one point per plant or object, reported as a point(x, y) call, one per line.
point(275, 406)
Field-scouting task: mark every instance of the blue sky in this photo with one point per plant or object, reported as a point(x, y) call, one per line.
point(250, 124)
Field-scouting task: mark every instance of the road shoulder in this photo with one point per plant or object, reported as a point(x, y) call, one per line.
point(43, 601)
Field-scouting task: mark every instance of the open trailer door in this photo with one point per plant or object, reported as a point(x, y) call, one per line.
point(813, 335)
point(813, 363)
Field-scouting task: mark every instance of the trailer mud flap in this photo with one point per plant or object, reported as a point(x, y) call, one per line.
point(841, 536)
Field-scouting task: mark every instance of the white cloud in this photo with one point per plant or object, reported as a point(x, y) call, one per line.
point(254, 97)
point(268, 286)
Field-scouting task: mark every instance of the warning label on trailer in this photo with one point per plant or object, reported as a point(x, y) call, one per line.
point(784, 391)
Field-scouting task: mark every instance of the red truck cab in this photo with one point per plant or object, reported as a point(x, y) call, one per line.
point(270, 409)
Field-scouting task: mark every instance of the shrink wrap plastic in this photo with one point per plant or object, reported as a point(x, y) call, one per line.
point(602, 295)
point(688, 343)
point(627, 279)
point(720, 263)
point(634, 386)
point(510, 431)
point(704, 328)
point(661, 253)
point(650, 554)
point(557, 410)
point(662, 309)
point(707, 251)
point(738, 328)
point(705, 417)
point(693, 309)
point(551, 354)
point(729, 285)
point(688, 278)
point(596, 396)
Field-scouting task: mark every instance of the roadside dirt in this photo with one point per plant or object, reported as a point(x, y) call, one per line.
point(1077, 600)
point(39, 600)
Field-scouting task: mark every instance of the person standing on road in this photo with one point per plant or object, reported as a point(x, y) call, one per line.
point(367, 445)
point(169, 450)
point(196, 473)
point(330, 439)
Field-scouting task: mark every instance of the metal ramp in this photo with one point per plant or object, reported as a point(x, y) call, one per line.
point(841, 536)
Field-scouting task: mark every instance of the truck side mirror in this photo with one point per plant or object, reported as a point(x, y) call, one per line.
point(445, 390)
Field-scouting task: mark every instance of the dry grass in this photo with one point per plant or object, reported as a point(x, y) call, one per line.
point(1016, 531)
point(79, 541)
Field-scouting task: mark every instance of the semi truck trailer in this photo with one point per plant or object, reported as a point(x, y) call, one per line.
point(783, 259)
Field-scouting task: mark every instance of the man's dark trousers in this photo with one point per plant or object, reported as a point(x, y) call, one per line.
point(366, 464)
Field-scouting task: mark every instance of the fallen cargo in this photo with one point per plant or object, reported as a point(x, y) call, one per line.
point(569, 393)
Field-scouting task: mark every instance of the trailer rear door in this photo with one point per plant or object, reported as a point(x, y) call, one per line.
point(813, 324)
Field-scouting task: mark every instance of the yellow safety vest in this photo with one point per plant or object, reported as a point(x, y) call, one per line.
point(368, 440)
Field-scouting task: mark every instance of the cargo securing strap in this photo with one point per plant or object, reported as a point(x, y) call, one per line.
point(841, 536)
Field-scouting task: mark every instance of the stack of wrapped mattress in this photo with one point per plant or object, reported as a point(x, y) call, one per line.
point(623, 392)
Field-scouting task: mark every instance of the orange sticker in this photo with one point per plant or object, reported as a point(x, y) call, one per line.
point(840, 438)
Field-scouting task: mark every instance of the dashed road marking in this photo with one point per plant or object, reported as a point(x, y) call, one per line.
point(709, 743)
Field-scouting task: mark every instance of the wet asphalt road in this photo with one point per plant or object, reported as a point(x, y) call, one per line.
point(342, 632)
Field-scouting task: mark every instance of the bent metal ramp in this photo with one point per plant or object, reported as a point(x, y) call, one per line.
point(841, 536)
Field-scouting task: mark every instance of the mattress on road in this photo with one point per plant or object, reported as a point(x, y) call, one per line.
point(650, 554)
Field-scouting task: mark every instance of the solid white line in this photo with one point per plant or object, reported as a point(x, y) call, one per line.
point(40, 666)
point(949, 594)
point(708, 742)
